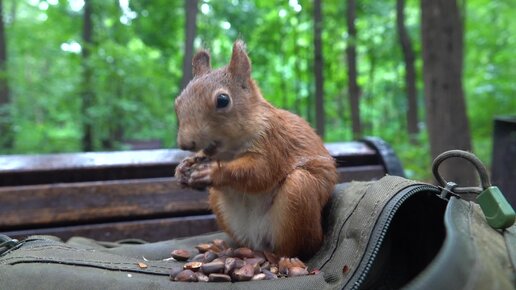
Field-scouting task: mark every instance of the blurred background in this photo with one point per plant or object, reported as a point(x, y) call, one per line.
point(99, 75)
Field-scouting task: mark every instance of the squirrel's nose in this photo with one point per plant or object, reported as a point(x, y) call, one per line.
point(187, 146)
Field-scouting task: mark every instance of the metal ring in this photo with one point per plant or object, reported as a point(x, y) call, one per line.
point(481, 169)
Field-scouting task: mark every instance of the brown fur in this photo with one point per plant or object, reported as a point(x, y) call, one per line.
point(260, 149)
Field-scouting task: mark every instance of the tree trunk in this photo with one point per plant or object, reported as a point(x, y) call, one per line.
point(410, 71)
point(87, 75)
point(190, 32)
point(115, 134)
point(309, 100)
point(6, 132)
point(442, 36)
point(351, 56)
point(12, 13)
point(341, 109)
point(318, 70)
point(297, 84)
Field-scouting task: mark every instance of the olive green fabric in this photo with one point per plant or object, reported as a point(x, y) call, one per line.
point(352, 214)
point(474, 255)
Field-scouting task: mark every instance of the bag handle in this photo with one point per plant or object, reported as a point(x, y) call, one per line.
point(485, 182)
point(497, 210)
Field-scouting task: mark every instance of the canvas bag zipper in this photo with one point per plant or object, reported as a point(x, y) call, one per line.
point(380, 230)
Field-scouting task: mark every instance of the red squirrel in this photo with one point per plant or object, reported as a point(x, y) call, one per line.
point(268, 173)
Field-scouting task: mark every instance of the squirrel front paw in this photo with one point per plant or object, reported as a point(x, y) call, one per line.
point(201, 175)
point(195, 171)
point(184, 169)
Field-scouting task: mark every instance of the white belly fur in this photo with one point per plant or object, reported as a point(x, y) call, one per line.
point(249, 218)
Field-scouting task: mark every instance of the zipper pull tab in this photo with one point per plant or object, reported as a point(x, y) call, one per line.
point(497, 210)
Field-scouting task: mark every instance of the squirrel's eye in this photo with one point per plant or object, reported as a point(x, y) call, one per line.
point(222, 101)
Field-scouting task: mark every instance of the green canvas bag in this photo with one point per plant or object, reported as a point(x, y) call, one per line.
point(387, 234)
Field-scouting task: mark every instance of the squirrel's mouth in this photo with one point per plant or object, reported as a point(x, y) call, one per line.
point(211, 149)
point(216, 151)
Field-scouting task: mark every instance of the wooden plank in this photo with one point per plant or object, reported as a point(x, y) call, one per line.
point(360, 173)
point(87, 202)
point(95, 160)
point(91, 166)
point(148, 230)
point(97, 201)
point(87, 174)
point(98, 166)
point(90, 160)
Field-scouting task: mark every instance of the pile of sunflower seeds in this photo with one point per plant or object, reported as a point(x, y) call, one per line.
point(216, 262)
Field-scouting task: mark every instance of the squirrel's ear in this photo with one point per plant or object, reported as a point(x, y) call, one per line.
point(240, 65)
point(201, 63)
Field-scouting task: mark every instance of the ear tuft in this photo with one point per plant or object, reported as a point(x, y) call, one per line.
point(240, 65)
point(201, 63)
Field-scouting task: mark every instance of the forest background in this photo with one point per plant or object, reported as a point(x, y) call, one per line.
point(100, 75)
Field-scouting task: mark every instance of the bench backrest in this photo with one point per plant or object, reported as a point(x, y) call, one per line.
point(117, 195)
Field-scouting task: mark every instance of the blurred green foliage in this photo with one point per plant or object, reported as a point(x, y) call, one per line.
point(138, 50)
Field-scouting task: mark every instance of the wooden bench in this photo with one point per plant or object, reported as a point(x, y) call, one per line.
point(133, 194)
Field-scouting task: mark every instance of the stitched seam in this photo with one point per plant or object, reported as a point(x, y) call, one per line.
point(341, 226)
point(476, 265)
point(47, 247)
point(83, 262)
point(363, 231)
